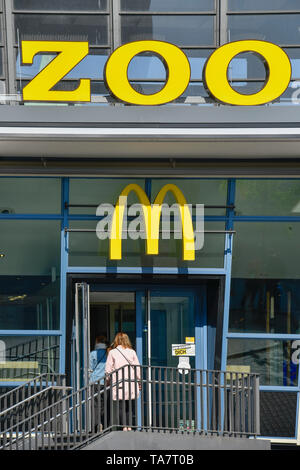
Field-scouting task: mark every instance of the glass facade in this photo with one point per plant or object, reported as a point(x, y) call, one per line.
point(29, 356)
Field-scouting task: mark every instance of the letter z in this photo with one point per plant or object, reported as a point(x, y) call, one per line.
point(69, 55)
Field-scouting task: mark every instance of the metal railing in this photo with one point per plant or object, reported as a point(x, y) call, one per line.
point(29, 388)
point(142, 398)
point(39, 355)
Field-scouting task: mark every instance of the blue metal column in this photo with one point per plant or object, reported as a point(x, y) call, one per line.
point(227, 266)
point(139, 341)
point(201, 352)
point(63, 271)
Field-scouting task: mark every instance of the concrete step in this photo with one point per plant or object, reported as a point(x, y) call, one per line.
point(137, 440)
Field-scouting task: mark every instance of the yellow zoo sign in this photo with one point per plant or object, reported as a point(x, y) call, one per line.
point(215, 78)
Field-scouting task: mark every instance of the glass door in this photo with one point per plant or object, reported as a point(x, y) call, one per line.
point(175, 321)
point(98, 315)
point(173, 317)
point(81, 336)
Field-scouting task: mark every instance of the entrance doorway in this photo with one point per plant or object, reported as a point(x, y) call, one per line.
point(155, 317)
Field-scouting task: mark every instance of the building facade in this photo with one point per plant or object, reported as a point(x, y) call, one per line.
point(239, 299)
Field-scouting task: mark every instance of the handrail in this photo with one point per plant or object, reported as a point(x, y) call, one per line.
point(32, 397)
point(38, 378)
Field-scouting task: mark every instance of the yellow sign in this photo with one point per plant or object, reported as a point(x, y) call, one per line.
point(183, 350)
point(190, 340)
point(152, 215)
point(173, 58)
point(180, 352)
point(277, 65)
point(69, 54)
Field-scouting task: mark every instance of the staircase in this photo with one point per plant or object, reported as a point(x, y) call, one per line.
point(163, 407)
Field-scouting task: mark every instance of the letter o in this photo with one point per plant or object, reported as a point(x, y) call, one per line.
point(278, 71)
point(176, 64)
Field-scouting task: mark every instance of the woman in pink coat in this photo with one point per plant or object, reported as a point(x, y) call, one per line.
point(123, 356)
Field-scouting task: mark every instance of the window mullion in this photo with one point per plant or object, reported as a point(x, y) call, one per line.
point(115, 23)
point(222, 14)
point(9, 41)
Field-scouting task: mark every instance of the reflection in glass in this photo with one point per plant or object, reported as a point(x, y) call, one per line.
point(29, 356)
point(64, 5)
point(150, 66)
point(29, 274)
point(265, 306)
point(195, 93)
point(172, 320)
point(92, 66)
point(91, 28)
point(294, 55)
point(267, 197)
point(180, 30)
point(146, 66)
point(1, 64)
point(167, 5)
point(111, 312)
point(280, 29)
point(247, 66)
point(271, 359)
point(247, 88)
point(264, 5)
point(211, 192)
point(85, 249)
point(266, 281)
point(30, 195)
point(269, 250)
point(95, 191)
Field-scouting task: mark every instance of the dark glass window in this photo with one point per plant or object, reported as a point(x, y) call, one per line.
point(294, 55)
point(247, 66)
point(256, 5)
point(30, 195)
point(93, 29)
point(63, 5)
point(1, 62)
point(266, 283)
point(180, 30)
point(278, 411)
point(280, 29)
point(92, 66)
point(149, 66)
point(30, 274)
point(271, 359)
point(167, 5)
point(265, 306)
point(268, 197)
point(29, 356)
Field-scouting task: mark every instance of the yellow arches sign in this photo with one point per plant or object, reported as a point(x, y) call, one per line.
point(178, 72)
point(152, 216)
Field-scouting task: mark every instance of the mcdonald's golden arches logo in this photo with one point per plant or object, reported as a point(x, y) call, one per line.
point(152, 215)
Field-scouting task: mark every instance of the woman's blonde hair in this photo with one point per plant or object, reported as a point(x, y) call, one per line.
point(122, 339)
